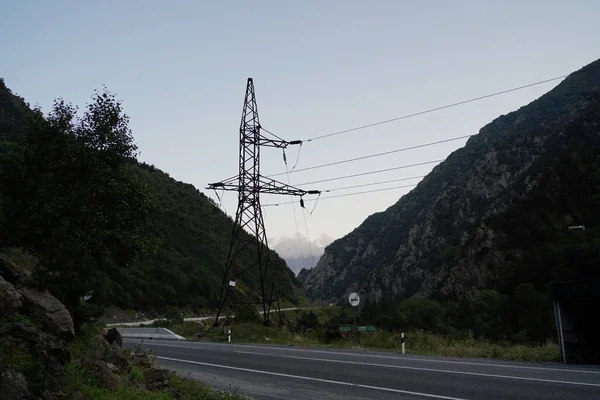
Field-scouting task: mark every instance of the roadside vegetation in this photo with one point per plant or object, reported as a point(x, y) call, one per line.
point(99, 371)
point(307, 328)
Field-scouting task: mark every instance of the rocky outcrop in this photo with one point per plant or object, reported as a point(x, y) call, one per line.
point(13, 386)
point(102, 372)
point(10, 299)
point(34, 330)
point(479, 217)
point(9, 272)
point(51, 313)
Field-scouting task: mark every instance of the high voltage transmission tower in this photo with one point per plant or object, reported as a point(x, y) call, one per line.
point(249, 237)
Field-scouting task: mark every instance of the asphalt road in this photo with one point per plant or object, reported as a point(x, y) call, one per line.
point(282, 372)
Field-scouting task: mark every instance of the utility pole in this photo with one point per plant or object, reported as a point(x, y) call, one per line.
point(249, 235)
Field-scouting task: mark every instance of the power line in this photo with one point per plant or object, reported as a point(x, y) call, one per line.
point(294, 209)
point(375, 155)
point(413, 185)
point(312, 257)
point(344, 195)
point(337, 178)
point(372, 184)
point(418, 146)
point(434, 109)
point(404, 148)
point(420, 163)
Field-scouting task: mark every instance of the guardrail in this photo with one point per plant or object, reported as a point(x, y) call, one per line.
point(148, 333)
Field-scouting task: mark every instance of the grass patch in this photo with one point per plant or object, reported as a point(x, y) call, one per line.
point(79, 380)
point(193, 389)
point(15, 355)
point(132, 380)
point(420, 342)
point(249, 333)
point(417, 342)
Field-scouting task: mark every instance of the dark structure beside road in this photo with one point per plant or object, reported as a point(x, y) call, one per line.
point(576, 305)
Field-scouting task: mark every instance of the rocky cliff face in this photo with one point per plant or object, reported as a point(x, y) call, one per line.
point(34, 330)
point(494, 214)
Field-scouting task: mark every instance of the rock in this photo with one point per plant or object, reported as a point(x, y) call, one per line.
point(144, 362)
point(158, 378)
point(100, 370)
point(10, 273)
point(113, 354)
point(13, 386)
point(51, 313)
point(112, 367)
point(44, 345)
point(54, 395)
point(48, 354)
point(79, 395)
point(113, 336)
point(47, 395)
point(10, 299)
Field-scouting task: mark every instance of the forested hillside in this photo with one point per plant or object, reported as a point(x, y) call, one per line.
point(74, 197)
point(193, 237)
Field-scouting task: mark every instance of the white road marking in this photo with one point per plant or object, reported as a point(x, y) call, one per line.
point(308, 378)
point(424, 369)
point(399, 358)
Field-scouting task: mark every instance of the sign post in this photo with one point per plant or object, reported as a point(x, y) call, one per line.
point(354, 300)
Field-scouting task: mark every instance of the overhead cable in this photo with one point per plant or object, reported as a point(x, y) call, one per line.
point(375, 155)
point(434, 109)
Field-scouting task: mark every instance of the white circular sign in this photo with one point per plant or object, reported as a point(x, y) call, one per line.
point(354, 299)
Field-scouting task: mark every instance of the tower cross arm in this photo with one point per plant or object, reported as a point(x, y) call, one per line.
point(271, 186)
point(280, 144)
point(263, 185)
point(230, 184)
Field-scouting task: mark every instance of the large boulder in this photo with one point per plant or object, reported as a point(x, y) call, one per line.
point(49, 311)
point(114, 336)
point(13, 386)
point(10, 299)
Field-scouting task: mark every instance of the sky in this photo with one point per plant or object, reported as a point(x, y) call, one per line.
point(319, 66)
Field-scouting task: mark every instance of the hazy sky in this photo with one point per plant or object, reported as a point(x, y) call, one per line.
point(180, 68)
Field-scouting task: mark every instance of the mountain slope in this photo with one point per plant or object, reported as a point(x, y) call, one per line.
point(193, 239)
point(494, 214)
point(190, 235)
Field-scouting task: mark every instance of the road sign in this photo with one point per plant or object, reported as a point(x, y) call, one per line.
point(354, 299)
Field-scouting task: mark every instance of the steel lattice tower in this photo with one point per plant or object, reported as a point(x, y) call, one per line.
point(249, 235)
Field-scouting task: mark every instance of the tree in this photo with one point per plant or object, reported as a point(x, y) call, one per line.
point(307, 320)
point(421, 314)
point(69, 197)
point(488, 311)
point(532, 315)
